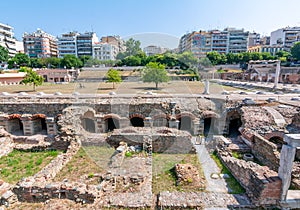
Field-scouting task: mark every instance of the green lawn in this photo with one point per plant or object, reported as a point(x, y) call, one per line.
point(88, 161)
point(18, 164)
point(163, 173)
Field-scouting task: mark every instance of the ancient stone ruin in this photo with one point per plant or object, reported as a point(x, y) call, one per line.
point(254, 142)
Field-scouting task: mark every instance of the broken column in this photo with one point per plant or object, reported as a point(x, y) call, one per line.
point(287, 156)
point(277, 73)
point(206, 87)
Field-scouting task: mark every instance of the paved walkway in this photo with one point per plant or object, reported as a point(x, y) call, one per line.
point(210, 167)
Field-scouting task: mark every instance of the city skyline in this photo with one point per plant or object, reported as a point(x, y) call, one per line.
point(129, 18)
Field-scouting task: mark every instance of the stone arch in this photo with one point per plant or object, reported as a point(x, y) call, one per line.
point(209, 122)
point(185, 121)
point(161, 120)
point(276, 138)
point(112, 121)
point(137, 120)
point(39, 123)
point(233, 123)
point(15, 124)
point(88, 121)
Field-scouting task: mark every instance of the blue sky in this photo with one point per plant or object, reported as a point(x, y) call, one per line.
point(128, 17)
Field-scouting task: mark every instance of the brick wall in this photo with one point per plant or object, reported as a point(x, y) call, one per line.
point(262, 185)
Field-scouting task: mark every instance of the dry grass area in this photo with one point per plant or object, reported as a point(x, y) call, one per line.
point(163, 174)
point(172, 87)
point(85, 164)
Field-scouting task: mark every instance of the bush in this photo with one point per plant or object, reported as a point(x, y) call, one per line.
point(128, 154)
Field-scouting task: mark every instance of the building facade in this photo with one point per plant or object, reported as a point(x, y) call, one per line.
point(40, 44)
point(219, 41)
point(104, 51)
point(7, 39)
point(67, 44)
point(286, 37)
point(116, 41)
point(238, 40)
point(153, 50)
point(85, 43)
point(229, 40)
point(266, 48)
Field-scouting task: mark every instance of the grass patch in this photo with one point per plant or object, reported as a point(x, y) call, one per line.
point(232, 183)
point(18, 164)
point(87, 161)
point(164, 177)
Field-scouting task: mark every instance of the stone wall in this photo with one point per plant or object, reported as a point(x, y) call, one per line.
point(263, 186)
point(266, 152)
point(164, 140)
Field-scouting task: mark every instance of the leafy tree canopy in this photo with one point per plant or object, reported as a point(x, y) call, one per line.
point(113, 76)
point(3, 54)
point(31, 77)
point(295, 51)
point(155, 72)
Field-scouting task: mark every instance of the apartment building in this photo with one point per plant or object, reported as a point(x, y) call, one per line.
point(85, 43)
point(219, 41)
point(7, 39)
point(104, 51)
point(115, 40)
point(229, 40)
point(67, 44)
point(154, 50)
point(286, 37)
point(254, 39)
point(272, 49)
point(238, 40)
point(40, 44)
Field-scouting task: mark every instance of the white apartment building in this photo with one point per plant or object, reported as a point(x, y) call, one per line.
point(104, 51)
point(153, 50)
point(238, 40)
point(7, 39)
point(67, 44)
point(286, 37)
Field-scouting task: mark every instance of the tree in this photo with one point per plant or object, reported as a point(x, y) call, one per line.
point(188, 59)
point(113, 76)
point(31, 77)
point(3, 54)
point(155, 72)
point(214, 57)
point(70, 61)
point(132, 61)
point(20, 59)
point(132, 47)
point(205, 62)
point(295, 51)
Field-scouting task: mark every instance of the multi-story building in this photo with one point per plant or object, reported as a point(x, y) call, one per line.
point(104, 51)
point(200, 43)
point(67, 44)
point(219, 41)
point(254, 39)
point(265, 40)
point(238, 40)
point(85, 43)
point(7, 39)
point(266, 48)
point(286, 37)
point(185, 43)
point(153, 50)
point(229, 40)
point(40, 44)
point(115, 40)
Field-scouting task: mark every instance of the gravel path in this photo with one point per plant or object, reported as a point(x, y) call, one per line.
point(210, 167)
